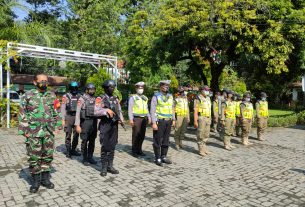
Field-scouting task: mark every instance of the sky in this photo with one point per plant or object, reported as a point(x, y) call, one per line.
point(21, 13)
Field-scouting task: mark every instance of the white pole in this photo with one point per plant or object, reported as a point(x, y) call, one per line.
point(116, 71)
point(8, 117)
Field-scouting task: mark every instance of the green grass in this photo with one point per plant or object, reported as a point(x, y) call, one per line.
point(278, 113)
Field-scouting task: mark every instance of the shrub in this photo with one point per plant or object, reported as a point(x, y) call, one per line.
point(301, 117)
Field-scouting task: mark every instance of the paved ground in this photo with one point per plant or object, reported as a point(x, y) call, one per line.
point(270, 173)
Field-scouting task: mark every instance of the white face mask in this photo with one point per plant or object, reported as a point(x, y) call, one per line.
point(140, 91)
point(207, 93)
point(185, 93)
point(263, 99)
point(247, 99)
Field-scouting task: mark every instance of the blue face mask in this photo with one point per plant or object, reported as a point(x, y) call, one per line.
point(263, 98)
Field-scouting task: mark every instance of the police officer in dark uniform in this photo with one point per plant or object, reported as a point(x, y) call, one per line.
point(68, 111)
point(108, 127)
point(86, 123)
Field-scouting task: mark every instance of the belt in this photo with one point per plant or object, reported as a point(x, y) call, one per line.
point(141, 117)
point(202, 115)
point(165, 119)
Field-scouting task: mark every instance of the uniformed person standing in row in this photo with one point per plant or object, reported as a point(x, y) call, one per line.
point(138, 117)
point(262, 115)
point(215, 111)
point(163, 117)
point(238, 118)
point(108, 127)
point(68, 112)
point(246, 112)
point(38, 122)
point(202, 119)
point(182, 116)
point(228, 120)
point(86, 123)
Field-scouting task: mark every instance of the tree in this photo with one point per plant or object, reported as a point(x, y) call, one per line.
point(211, 34)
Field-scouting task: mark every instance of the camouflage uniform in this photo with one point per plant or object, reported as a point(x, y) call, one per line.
point(39, 119)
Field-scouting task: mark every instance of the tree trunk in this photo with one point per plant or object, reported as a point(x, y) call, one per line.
point(216, 71)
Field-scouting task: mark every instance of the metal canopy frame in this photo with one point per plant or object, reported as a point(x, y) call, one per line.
point(35, 51)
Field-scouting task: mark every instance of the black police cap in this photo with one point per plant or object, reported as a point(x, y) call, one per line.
point(109, 83)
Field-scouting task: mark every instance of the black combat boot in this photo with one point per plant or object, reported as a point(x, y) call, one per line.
point(68, 153)
point(75, 153)
point(104, 162)
point(163, 155)
point(110, 167)
point(92, 161)
point(158, 160)
point(45, 180)
point(35, 183)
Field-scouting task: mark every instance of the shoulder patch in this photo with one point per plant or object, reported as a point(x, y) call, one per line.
point(64, 99)
point(98, 100)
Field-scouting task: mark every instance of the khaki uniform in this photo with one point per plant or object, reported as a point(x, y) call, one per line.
point(203, 106)
point(215, 108)
point(262, 115)
point(228, 110)
point(182, 119)
point(238, 124)
point(246, 110)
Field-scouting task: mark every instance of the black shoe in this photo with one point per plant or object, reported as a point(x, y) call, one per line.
point(134, 154)
point(68, 155)
point(92, 161)
point(75, 153)
point(45, 180)
point(141, 153)
point(85, 162)
point(159, 162)
point(111, 169)
point(104, 169)
point(166, 161)
point(35, 183)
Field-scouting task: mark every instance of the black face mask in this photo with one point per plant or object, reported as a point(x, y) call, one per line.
point(109, 91)
point(74, 90)
point(91, 92)
point(43, 85)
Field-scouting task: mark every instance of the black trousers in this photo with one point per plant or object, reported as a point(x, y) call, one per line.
point(138, 134)
point(108, 134)
point(161, 138)
point(70, 129)
point(88, 136)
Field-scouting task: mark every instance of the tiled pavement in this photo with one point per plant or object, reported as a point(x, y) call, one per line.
point(270, 173)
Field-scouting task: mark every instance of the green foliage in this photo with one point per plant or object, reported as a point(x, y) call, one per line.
point(283, 121)
point(230, 80)
point(177, 30)
point(14, 110)
point(98, 79)
point(301, 117)
point(174, 83)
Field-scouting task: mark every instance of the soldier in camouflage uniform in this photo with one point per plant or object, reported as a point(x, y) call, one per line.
point(38, 120)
